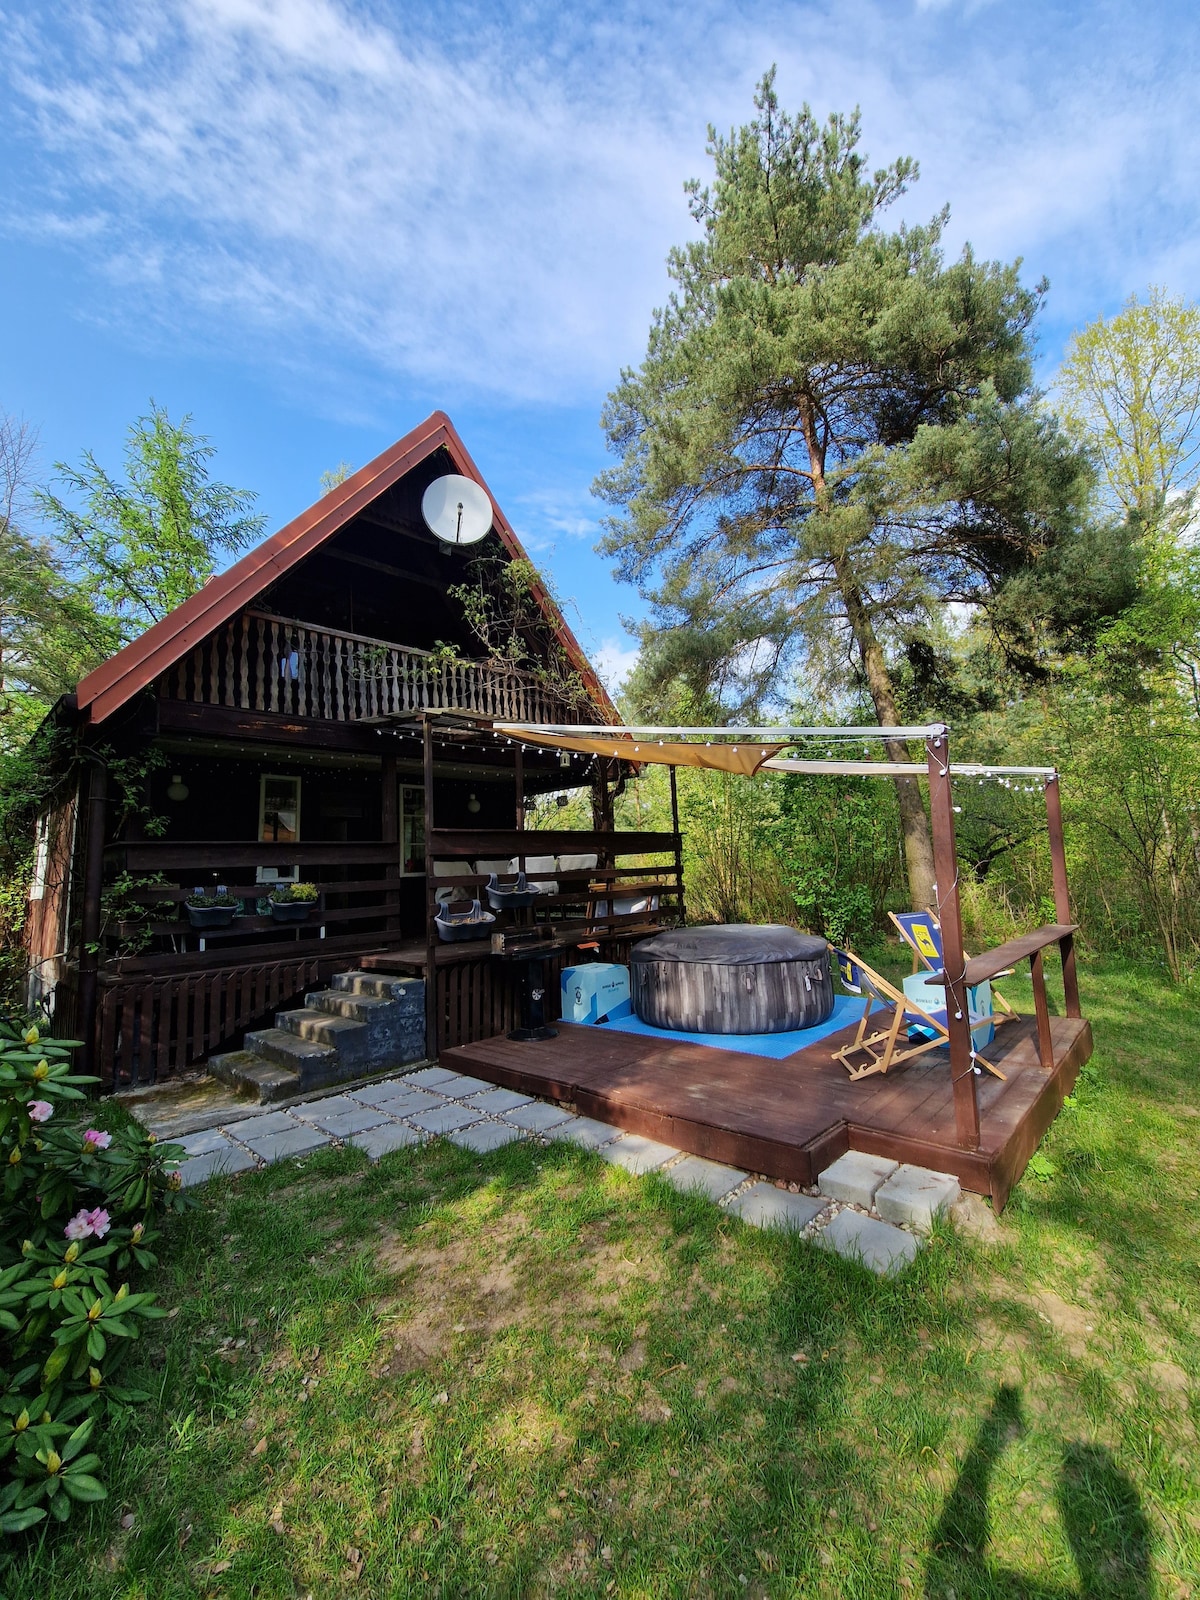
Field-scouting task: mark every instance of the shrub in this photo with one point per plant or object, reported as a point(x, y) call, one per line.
point(289, 893)
point(76, 1219)
point(205, 902)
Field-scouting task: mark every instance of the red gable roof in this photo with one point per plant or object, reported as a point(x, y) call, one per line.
point(132, 669)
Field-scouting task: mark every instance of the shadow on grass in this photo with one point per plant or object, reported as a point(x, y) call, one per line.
point(1098, 1505)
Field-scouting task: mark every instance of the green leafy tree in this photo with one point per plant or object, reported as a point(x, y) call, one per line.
point(140, 547)
point(833, 435)
point(1130, 388)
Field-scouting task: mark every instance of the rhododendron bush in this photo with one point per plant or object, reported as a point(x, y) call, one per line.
point(76, 1230)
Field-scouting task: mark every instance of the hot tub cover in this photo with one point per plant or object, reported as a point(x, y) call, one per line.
point(731, 945)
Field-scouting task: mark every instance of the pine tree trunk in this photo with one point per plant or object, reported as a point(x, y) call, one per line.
point(914, 824)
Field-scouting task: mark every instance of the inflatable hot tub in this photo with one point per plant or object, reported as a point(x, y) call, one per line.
point(735, 978)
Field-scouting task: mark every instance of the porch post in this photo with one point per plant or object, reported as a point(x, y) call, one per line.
point(945, 861)
point(89, 931)
point(1062, 897)
point(519, 782)
point(432, 1043)
point(390, 834)
point(678, 844)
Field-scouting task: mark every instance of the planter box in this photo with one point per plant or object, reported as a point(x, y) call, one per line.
point(291, 910)
point(211, 916)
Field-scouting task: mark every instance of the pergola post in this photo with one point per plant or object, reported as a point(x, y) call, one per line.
point(678, 844)
point(1062, 896)
point(958, 1019)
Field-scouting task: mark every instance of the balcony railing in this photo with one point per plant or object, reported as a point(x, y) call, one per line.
point(263, 663)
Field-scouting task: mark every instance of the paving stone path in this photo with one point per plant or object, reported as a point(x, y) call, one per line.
point(868, 1209)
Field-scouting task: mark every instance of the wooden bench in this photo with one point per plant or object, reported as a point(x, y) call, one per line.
point(1029, 945)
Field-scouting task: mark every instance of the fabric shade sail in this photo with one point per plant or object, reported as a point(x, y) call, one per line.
point(744, 759)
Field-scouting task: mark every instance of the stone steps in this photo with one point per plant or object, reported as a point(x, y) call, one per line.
point(362, 1024)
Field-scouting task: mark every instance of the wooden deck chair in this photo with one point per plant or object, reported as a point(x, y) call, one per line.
point(882, 1047)
point(922, 933)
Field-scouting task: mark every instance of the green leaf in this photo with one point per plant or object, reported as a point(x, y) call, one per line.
point(82, 1486)
point(78, 1439)
point(18, 1521)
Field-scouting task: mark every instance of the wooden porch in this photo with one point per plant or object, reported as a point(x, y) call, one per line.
point(790, 1119)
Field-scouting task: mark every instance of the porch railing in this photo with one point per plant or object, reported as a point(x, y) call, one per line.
point(257, 662)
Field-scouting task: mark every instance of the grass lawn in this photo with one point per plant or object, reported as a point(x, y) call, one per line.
point(532, 1374)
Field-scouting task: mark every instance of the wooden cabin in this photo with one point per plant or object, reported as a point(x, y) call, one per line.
point(345, 707)
point(324, 711)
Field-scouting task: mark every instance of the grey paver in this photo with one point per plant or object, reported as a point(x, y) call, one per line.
point(495, 1101)
point(257, 1127)
point(484, 1136)
point(297, 1140)
point(340, 1116)
point(637, 1154)
point(203, 1144)
point(444, 1119)
point(765, 1206)
point(539, 1117)
point(914, 1195)
point(876, 1245)
point(396, 1098)
point(855, 1177)
point(460, 1086)
point(381, 1141)
point(586, 1131)
point(712, 1178)
point(430, 1077)
point(212, 1162)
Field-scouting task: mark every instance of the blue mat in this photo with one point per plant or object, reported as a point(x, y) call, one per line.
point(847, 1009)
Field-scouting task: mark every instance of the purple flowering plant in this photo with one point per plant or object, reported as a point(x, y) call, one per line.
point(77, 1214)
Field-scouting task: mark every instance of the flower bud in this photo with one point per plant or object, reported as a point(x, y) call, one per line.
point(60, 1281)
point(53, 1461)
point(72, 1252)
point(14, 1156)
point(121, 1292)
point(31, 1036)
point(21, 1423)
point(94, 1377)
point(41, 1071)
point(96, 1312)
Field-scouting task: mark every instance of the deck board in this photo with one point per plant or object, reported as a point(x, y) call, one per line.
point(789, 1118)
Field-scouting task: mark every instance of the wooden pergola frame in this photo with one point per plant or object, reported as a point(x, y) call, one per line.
point(651, 745)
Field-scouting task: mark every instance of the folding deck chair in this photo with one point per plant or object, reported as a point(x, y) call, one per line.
point(922, 933)
point(880, 1047)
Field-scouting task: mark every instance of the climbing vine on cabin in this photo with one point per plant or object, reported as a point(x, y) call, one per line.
point(508, 609)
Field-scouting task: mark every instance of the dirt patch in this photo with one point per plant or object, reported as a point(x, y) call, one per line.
point(527, 1429)
point(499, 1278)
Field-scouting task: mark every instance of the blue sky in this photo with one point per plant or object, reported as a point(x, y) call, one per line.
point(310, 222)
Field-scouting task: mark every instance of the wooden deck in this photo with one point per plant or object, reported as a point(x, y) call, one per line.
point(789, 1119)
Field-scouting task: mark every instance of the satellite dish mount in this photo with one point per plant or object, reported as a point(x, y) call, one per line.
point(457, 509)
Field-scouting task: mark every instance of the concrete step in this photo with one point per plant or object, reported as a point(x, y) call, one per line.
point(358, 1007)
point(352, 1042)
point(287, 1048)
point(409, 992)
point(251, 1075)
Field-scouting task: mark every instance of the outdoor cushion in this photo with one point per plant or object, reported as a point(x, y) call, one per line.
point(450, 869)
point(534, 865)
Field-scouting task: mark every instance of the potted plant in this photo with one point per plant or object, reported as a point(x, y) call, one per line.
point(291, 902)
point(215, 910)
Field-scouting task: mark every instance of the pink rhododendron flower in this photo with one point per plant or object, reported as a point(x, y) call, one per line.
point(99, 1221)
point(80, 1226)
point(98, 1140)
point(39, 1110)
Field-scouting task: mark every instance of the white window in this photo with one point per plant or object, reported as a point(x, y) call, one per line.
point(278, 821)
point(41, 857)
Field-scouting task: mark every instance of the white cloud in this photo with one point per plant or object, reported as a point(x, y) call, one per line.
point(614, 661)
point(475, 200)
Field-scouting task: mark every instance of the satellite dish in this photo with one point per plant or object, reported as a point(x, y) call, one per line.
point(457, 509)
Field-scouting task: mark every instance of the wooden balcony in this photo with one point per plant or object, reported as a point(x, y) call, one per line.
point(258, 662)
